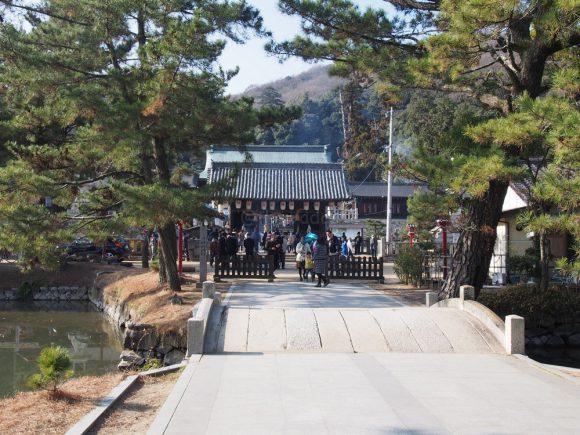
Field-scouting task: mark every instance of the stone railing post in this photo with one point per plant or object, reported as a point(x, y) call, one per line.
point(208, 289)
point(431, 298)
point(467, 293)
point(515, 342)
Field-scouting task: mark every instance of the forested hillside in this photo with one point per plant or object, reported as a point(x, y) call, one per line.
point(316, 82)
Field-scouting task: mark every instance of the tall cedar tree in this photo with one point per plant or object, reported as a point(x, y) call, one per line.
point(100, 98)
point(493, 50)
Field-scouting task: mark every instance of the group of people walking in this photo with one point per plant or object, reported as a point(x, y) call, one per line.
point(312, 257)
point(312, 251)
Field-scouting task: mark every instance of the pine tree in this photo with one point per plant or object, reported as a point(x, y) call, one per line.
point(102, 97)
point(493, 51)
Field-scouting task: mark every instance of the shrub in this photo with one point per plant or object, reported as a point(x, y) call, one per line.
point(535, 305)
point(54, 363)
point(523, 265)
point(409, 265)
point(152, 363)
point(154, 265)
point(25, 290)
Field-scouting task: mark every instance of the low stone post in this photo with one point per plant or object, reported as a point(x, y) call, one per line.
point(431, 298)
point(208, 289)
point(467, 293)
point(515, 341)
point(195, 334)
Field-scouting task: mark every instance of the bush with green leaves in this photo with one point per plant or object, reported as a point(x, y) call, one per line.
point(409, 265)
point(537, 306)
point(152, 363)
point(54, 364)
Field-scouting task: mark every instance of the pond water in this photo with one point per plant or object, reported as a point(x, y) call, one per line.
point(25, 328)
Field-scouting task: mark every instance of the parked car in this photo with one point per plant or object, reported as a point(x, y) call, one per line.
point(116, 247)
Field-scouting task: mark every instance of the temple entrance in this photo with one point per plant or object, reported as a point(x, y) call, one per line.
point(299, 222)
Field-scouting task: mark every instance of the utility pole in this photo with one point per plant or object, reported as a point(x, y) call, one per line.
point(389, 185)
point(345, 134)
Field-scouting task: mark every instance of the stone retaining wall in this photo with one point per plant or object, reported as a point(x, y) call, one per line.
point(57, 294)
point(144, 340)
point(564, 335)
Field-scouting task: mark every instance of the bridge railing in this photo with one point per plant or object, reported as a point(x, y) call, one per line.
point(241, 266)
point(356, 268)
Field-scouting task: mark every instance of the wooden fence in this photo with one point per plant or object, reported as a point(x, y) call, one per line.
point(240, 266)
point(356, 268)
point(262, 267)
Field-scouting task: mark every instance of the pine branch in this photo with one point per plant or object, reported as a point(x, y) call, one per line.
point(410, 5)
point(43, 11)
point(133, 175)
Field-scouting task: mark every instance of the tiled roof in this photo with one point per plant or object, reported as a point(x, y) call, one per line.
point(297, 154)
point(379, 190)
point(308, 182)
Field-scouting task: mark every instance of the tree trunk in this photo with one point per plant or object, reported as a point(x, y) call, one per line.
point(470, 263)
point(169, 248)
point(162, 272)
point(167, 237)
point(544, 262)
point(145, 250)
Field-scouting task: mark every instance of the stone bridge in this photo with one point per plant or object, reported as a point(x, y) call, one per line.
point(290, 358)
point(289, 317)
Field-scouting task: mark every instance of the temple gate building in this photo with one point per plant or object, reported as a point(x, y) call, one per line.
point(286, 187)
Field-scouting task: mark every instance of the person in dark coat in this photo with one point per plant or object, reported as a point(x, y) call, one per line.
point(222, 250)
point(249, 245)
point(273, 250)
point(213, 250)
point(231, 244)
point(281, 253)
point(357, 243)
point(373, 246)
point(320, 256)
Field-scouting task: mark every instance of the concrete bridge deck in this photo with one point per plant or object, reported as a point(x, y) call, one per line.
point(349, 360)
point(295, 317)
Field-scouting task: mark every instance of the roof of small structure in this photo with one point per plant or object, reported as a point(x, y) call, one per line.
point(296, 154)
point(283, 181)
point(379, 189)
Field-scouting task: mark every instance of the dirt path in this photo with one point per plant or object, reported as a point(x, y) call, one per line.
point(138, 407)
point(406, 294)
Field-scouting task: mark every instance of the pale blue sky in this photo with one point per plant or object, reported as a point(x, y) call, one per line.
point(257, 67)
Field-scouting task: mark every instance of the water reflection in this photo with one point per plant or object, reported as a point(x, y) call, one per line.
point(25, 328)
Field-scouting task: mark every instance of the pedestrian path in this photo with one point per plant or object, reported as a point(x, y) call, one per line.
point(297, 317)
point(372, 393)
point(292, 359)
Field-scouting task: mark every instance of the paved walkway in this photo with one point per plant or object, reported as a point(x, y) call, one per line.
point(256, 389)
point(380, 393)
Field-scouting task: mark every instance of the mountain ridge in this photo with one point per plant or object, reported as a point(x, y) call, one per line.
point(316, 82)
